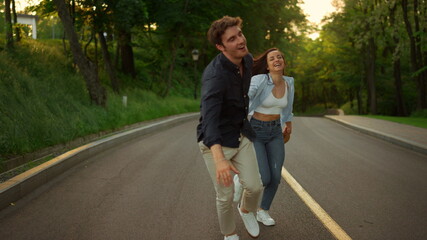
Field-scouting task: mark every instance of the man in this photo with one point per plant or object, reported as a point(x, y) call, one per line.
point(224, 133)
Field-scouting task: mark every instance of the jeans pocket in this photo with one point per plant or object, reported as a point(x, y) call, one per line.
point(256, 127)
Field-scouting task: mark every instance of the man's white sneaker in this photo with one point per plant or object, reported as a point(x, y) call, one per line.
point(231, 237)
point(250, 223)
point(238, 189)
point(264, 217)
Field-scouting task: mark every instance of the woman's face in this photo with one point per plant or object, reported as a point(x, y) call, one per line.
point(275, 62)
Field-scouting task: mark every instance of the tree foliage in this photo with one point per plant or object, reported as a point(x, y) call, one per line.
point(367, 56)
point(371, 56)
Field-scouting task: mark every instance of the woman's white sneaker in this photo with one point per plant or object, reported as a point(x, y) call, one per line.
point(238, 189)
point(263, 217)
point(231, 237)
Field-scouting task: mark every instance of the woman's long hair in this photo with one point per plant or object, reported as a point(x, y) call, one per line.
point(260, 63)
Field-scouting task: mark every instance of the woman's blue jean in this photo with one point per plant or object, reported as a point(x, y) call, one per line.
point(270, 152)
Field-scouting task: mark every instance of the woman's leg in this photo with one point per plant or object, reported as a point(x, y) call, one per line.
point(275, 157)
point(263, 134)
point(263, 165)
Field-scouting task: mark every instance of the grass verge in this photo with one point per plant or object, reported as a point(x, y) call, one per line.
point(413, 121)
point(44, 102)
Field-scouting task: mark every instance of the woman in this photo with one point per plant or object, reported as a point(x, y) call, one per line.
point(271, 99)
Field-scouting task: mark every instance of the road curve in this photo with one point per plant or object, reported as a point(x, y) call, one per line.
point(154, 187)
point(157, 187)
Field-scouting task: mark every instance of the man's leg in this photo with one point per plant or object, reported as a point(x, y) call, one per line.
point(245, 161)
point(224, 195)
point(246, 164)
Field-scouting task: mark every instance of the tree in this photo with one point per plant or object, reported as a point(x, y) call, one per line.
point(15, 21)
point(417, 61)
point(88, 69)
point(126, 14)
point(394, 47)
point(101, 18)
point(8, 20)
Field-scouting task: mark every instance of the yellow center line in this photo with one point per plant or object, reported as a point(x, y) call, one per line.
point(321, 214)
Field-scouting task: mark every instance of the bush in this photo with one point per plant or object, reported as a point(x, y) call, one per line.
point(348, 110)
point(419, 113)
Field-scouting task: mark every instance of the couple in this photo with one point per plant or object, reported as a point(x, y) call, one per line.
point(234, 85)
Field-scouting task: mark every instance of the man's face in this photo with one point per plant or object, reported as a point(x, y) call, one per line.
point(233, 44)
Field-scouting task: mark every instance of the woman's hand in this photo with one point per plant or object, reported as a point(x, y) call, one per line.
point(287, 130)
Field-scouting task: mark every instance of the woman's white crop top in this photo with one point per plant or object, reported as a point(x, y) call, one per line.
point(273, 105)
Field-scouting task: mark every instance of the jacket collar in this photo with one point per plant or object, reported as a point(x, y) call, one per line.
point(270, 80)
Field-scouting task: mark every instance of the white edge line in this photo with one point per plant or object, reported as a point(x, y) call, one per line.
point(318, 211)
point(4, 186)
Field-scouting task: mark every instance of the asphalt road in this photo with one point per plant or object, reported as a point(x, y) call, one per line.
point(373, 189)
point(157, 187)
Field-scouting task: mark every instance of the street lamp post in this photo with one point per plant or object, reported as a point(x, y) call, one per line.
point(195, 55)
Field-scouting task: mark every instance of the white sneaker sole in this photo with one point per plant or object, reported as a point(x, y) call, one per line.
point(268, 225)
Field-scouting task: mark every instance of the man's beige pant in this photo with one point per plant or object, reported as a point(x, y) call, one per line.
point(244, 159)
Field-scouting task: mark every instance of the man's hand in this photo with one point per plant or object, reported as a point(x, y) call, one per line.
point(223, 172)
point(222, 165)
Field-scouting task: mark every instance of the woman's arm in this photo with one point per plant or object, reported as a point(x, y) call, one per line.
point(255, 83)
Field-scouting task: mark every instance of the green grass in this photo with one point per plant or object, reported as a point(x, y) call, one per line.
point(413, 121)
point(44, 101)
point(25, 167)
point(316, 110)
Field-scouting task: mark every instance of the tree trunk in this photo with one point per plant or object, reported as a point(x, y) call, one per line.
point(117, 57)
point(87, 45)
point(8, 20)
point(73, 11)
point(174, 53)
point(422, 75)
point(351, 98)
point(15, 21)
point(304, 97)
point(108, 64)
point(128, 65)
point(96, 49)
point(359, 100)
point(171, 67)
point(88, 69)
point(424, 63)
point(414, 61)
point(370, 75)
point(64, 44)
point(400, 106)
point(325, 97)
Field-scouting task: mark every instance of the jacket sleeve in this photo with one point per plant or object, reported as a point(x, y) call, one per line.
point(255, 82)
point(254, 91)
point(287, 113)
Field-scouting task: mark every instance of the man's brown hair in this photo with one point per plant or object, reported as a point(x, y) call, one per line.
point(219, 26)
